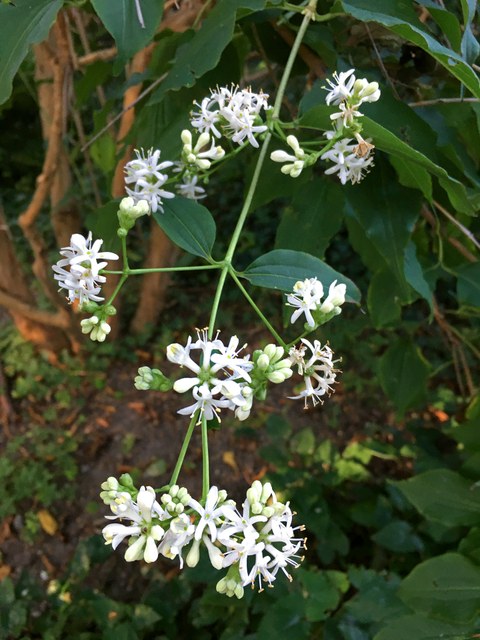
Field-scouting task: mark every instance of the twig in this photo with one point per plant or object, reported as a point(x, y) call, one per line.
point(95, 56)
point(458, 224)
point(78, 18)
point(86, 156)
point(154, 84)
point(431, 103)
point(380, 62)
point(429, 217)
point(312, 61)
point(60, 320)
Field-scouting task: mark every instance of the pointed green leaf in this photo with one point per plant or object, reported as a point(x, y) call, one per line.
point(313, 218)
point(122, 22)
point(400, 17)
point(468, 284)
point(443, 496)
point(420, 627)
point(384, 299)
point(189, 225)
point(24, 22)
point(414, 274)
point(446, 587)
point(403, 374)
point(282, 268)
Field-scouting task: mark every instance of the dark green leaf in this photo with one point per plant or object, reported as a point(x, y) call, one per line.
point(446, 587)
point(470, 545)
point(398, 536)
point(443, 496)
point(314, 217)
point(414, 274)
point(189, 225)
point(385, 213)
point(419, 627)
point(103, 223)
point(468, 284)
point(282, 268)
point(401, 18)
point(121, 20)
point(323, 592)
point(23, 23)
point(384, 299)
point(403, 374)
point(203, 52)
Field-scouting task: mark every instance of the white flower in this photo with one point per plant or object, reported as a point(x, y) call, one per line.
point(232, 112)
point(296, 162)
point(195, 155)
point(144, 531)
point(318, 370)
point(306, 298)
point(347, 164)
point(213, 509)
point(146, 175)
point(189, 187)
point(83, 279)
point(179, 534)
point(335, 298)
point(365, 91)
point(341, 88)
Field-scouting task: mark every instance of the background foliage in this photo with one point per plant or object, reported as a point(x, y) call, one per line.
point(390, 491)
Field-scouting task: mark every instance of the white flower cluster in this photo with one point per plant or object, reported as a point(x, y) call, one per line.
point(84, 260)
point(307, 299)
point(317, 369)
point(350, 160)
point(253, 545)
point(147, 176)
point(222, 378)
point(232, 112)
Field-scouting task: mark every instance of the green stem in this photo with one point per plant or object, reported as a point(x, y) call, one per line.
point(124, 253)
point(137, 272)
point(205, 460)
point(261, 159)
point(183, 450)
point(120, 284)
point(257, 310)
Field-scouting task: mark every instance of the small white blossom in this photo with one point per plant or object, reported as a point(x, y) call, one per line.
point(341, 88)
point(82, 280)
point(317, 369)
point(189, 187)
point(306, 297)
point(98, 329)
point(147, 176)
point(348, 165)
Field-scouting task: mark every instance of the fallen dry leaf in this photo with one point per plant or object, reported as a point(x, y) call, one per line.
point(47, 522)
point(229, 458)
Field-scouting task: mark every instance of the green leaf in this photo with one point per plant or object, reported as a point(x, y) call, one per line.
point(446, 587)
point(468, 284)
point(323, 592)
point(403, 374)
point(303, 442)
point(103, 223)
point(398, 536)
point(282, 268)
point(24, 23)
point(412, 175)
point(203, 52)
point(443, 496)
point(189, 225)
point(470, 545)
point(419, 627)
point(414, 274)
point(121, 21)
point(314, 217)
point(384, 299)
point(401, 18)
point(385, 213)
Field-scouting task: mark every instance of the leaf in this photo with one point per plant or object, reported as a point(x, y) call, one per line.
point(419, 627)
point(413, 176)
point(47, 522)
point(189, 225)
point(323, 592)
point(401, 18)
point(446, 587)
point(24, 23)
point(384, 299)
point(103, 223)
point(121, 21)
point(203, 51)
point(314, 217)
point(228, 457)
point(403, 374)
point(414, 274)
point(468, 284)
point(282, 268)
point(398, 536)
point(386, 214)
point(443, 496)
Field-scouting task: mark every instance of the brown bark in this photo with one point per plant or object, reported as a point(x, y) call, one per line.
point(40, 327)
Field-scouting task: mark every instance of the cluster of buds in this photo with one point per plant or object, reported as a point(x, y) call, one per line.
point(254, 545)
point(295, 163)
point(151, 379)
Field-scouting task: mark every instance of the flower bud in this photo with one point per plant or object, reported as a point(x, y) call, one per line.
point(263, 362)
point(194, 554)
